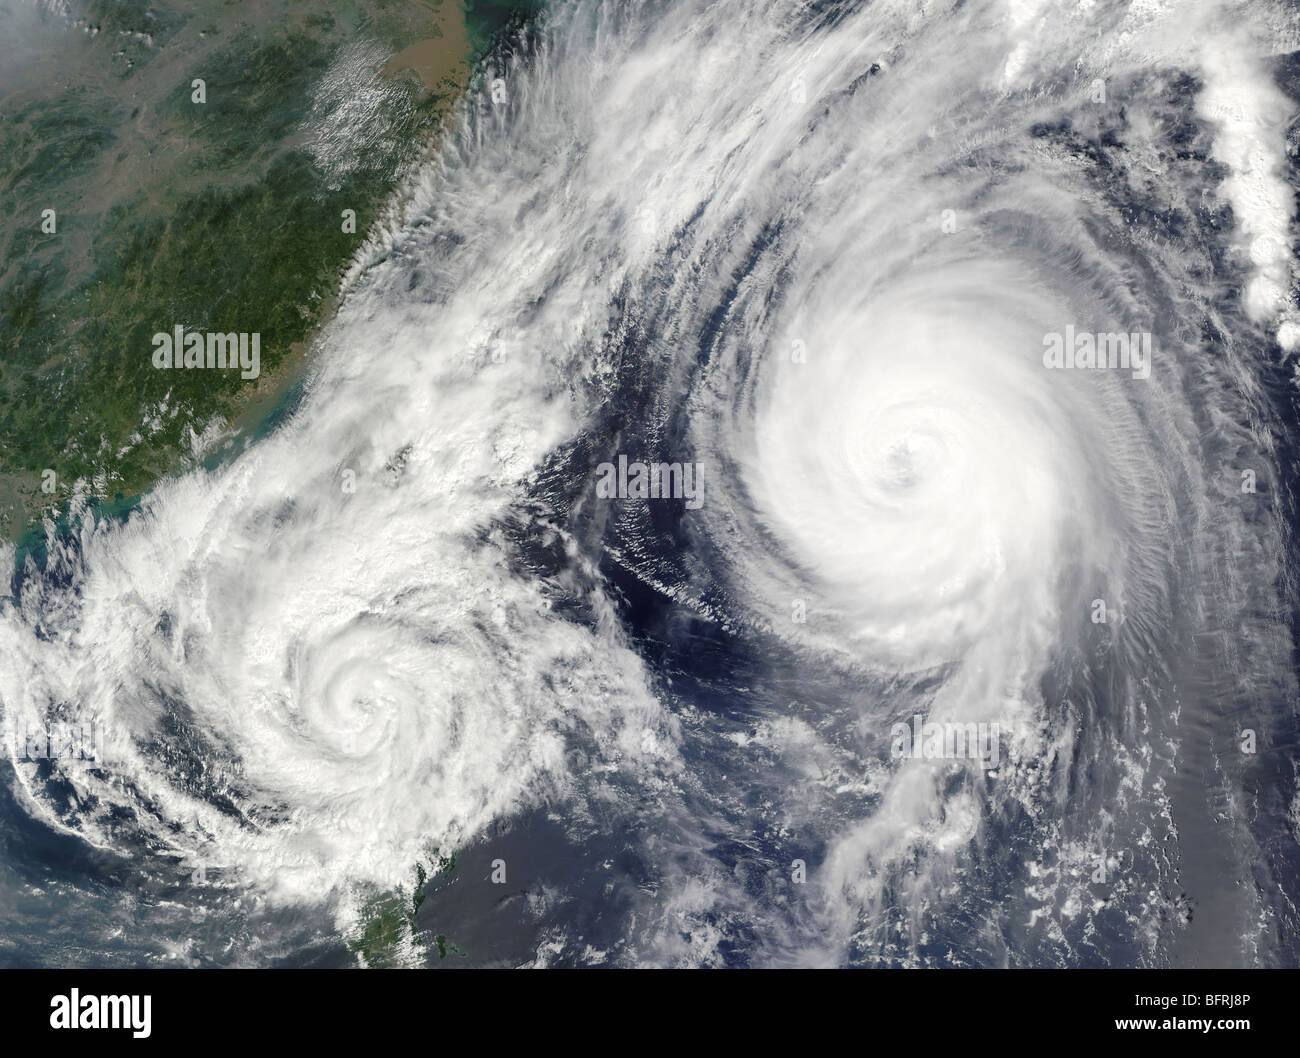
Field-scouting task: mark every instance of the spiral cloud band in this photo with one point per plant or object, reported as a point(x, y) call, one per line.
point(820, 254)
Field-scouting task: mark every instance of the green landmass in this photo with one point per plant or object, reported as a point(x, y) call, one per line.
point(221, 213)
point(224, 214)
point(389, 927)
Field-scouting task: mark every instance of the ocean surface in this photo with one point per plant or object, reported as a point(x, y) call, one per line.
point(817, 252)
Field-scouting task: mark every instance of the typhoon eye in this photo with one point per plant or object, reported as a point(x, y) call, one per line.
point(718, 483)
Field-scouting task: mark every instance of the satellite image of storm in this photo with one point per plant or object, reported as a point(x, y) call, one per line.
point(649, 484)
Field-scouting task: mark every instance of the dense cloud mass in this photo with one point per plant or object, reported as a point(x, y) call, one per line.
point(967, 326)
